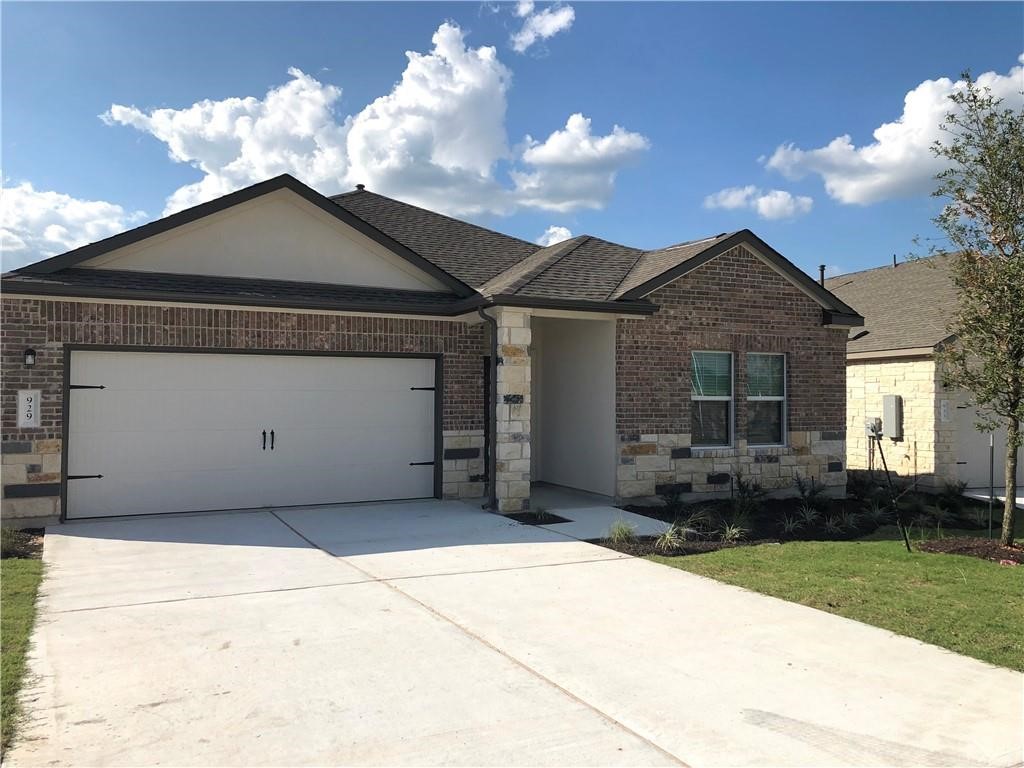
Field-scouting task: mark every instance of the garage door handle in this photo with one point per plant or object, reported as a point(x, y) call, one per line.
point(420, 463)
point(271, 439)
point(264, 439)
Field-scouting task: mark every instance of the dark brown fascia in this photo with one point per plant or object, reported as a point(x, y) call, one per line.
point(464, 305)
point(284, 181)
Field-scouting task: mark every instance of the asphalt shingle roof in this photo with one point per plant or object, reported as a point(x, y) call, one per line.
point(657, 262)
point(470, 253)
point(904, 307)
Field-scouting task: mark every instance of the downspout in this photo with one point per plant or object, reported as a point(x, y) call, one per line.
point(491, 415)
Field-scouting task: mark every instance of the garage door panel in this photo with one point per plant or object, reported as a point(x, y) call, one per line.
point(183, 432)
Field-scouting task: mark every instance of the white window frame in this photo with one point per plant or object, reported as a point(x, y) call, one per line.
point(731, 399)
point(784, 399)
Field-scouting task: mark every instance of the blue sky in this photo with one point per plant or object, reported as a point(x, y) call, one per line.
point(704, 94)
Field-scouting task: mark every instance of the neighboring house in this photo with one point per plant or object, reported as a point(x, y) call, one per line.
point(277, 347)
point(907, 308)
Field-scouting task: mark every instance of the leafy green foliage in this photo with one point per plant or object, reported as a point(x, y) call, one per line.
point(983, 219)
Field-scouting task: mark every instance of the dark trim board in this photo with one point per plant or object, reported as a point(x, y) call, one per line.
point(69, 349)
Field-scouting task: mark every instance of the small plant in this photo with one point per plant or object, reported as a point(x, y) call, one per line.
point(671, 539)
point(862, 485)
point(952, 496)
point(542, 514)
point(850, 520)
point(621, 532)
point(876, 512)
point(697, 523)
point(809, 514)
point(732, 532)
point(791, 524)
point(811, 491)
point(748, 497)
point(833, 525)
point(941, 515)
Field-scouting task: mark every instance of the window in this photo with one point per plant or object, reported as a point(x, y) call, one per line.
point(711, 392)
point(766, 399)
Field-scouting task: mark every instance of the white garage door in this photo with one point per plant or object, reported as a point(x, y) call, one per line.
point(174, 432)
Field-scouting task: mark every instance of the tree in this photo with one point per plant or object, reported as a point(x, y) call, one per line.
point(983, 218)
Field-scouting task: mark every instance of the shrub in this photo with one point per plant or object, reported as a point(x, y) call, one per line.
point(698, 522)
point(733, 532)
point(671, 539)
point(809, 513)
point(673, 501)
point(833, 525)
point(621, 532)
point(791, 524)
point(748, 497)
point(877, 512)
point(952, 496)
point(811, 492)
point(14, 543)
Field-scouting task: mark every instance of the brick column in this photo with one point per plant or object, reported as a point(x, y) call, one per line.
point(512, 411)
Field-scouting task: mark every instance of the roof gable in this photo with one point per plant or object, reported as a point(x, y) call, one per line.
point(389, 262)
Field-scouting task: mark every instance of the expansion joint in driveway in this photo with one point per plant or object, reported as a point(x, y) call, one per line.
point(389, 583)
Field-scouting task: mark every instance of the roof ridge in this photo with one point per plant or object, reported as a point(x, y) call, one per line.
point(615, 290)
point(558, 257)
point(434, 213)
point(890, 266)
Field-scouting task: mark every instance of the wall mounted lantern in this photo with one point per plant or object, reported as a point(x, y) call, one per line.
point(30, 358)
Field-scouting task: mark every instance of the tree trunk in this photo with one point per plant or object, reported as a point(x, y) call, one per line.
point(1010, 507)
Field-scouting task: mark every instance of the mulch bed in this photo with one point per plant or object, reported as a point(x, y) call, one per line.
point(25, 543)
point(536, 518)
point(645, 545)
point(986, 549)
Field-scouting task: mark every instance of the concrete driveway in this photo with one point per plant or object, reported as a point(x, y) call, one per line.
point(433, 633)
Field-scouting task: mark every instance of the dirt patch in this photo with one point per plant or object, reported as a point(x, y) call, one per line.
point(537, 518)
point(986, 549)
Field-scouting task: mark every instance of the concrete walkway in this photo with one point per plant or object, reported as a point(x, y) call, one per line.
point(436, 634)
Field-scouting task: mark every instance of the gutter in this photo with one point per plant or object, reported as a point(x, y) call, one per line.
point(460, 307)
point(491, 415)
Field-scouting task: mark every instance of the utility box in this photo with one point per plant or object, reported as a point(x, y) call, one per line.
point(892, 417)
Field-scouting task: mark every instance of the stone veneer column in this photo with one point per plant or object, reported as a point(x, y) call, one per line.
point(512, 411)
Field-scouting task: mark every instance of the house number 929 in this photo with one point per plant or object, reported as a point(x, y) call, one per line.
point(28, 408)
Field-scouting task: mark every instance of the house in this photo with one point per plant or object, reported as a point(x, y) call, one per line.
point(907, 308)
point(279, 347)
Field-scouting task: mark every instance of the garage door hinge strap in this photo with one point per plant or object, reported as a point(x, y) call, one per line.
point(86, 386)
point(422, 389)
point(421, 463)
point(84, 477)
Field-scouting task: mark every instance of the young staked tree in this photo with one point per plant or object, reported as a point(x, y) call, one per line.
point(983, 145)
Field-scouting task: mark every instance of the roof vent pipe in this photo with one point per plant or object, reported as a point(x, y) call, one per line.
point(360, 187)
point(894, 261)
point(821, 274)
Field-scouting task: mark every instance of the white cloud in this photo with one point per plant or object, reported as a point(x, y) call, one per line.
point(35, 224)
point(436, 140)
point(540, 25)
point(773, 204)
point(572, 168)
point(899, 162)
point(554, 234)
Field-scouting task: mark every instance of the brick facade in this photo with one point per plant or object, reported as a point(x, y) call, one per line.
point(47, 325)
point(734, 303)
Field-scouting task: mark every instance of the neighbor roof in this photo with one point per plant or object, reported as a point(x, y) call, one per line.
point(906, 306)
point(479, 265)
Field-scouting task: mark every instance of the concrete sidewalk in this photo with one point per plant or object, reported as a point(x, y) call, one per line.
point(432, 633)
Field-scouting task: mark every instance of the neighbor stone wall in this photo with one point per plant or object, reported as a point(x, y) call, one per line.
point(734, 303)
point(927, 451)
point(31, 458)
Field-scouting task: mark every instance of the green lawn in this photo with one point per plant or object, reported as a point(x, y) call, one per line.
point(19, 585)
point(968, 605)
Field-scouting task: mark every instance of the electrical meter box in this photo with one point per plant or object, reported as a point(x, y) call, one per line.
point(892, 417)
